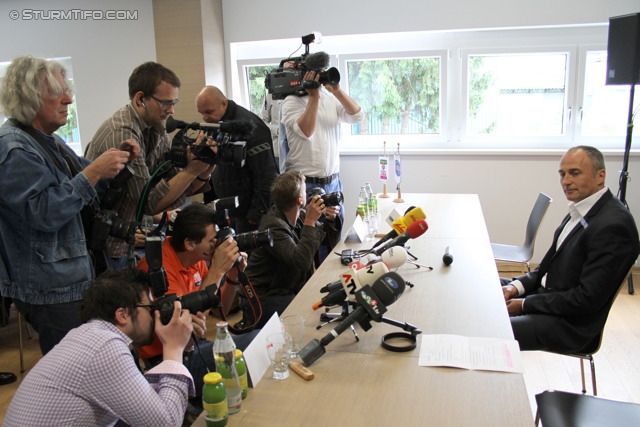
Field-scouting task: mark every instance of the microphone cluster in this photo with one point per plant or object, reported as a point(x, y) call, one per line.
point(371, 303)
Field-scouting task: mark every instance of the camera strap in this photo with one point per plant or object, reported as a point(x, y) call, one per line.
point(254, 304)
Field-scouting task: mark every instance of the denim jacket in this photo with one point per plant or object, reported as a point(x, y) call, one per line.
point(43, 251)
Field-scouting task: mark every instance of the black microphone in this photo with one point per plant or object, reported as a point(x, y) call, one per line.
point(317, 61)
point(447, 258)
point(239, 128)
point(372, 301)
point(415, 230)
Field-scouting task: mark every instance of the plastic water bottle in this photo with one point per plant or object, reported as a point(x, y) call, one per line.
point(214, 400)
point(241, 366)
point(224, 353)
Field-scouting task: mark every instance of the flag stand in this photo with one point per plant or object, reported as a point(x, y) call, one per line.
point(383, 174)
point(397, 175)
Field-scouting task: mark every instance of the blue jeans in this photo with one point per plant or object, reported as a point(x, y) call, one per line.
point(51, 321)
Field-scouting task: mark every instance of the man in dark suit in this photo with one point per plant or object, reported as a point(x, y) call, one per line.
point(563, 304)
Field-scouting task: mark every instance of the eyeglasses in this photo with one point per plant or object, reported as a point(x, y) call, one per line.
point(149, 307)
point(165, 105)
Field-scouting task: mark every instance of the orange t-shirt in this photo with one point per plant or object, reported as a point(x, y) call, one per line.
point(180, 281)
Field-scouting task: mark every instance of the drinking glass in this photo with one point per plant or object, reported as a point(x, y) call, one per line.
point(279, 350)
point(294, 326)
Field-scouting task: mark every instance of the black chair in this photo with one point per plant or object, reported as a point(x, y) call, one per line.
point(523, 253)
point(562, 409)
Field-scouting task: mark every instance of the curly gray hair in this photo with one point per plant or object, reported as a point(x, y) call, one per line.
point(27, 80)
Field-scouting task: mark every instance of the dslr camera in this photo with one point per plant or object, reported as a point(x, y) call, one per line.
point(194, 302)
point(331, 199)
point(226, 135)
point(246, 241)
point(288, 78)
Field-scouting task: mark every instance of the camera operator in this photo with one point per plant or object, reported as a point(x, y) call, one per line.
point(90, 378)
point(250, 183)
point(153, 94)
point(45, 264)
point(312, 132)
point(185, 255)
point(279, 272)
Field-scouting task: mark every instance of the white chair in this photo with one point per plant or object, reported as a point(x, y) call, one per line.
point(523, 253)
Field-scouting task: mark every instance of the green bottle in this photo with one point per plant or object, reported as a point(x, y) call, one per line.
point(241, 367)
point(214, 400)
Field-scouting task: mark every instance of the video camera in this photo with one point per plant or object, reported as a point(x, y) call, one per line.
point(246, 241)
point(227, 135)
point(288, 79)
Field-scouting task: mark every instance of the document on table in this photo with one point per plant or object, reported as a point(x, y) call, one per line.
point(487, 354)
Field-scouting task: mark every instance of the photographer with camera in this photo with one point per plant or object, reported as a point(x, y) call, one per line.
point(90, 378)
point(312, 128)
point(185, 256)
point(251, 182)
point(153, 94)
point(45, 264)
point(279, 272)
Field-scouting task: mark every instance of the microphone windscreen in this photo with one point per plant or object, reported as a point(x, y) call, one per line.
point(414, 215)
point(417, 229)
point(389, 287)
point(317, 61)
point(394, 257)
point(366, 276)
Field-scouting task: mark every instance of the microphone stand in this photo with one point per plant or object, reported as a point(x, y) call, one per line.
point(624, 173)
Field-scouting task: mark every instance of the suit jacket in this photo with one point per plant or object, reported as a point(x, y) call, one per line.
point(584, 274)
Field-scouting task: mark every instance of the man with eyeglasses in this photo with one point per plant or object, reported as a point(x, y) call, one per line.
point(153, 94)
point(91, 379)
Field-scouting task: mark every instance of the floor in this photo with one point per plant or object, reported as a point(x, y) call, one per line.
point(617, 362)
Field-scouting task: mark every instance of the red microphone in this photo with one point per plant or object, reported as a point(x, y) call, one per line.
point(414, 230)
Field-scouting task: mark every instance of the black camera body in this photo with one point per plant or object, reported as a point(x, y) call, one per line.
point(194, 302)
point(284, 81)
point(226, 136)
point(289, 80)
point(330, 199)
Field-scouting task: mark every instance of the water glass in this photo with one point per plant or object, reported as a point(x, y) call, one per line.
point(294, 326)
point(279, 350)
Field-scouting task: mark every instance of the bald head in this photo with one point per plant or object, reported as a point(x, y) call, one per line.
point(211, 104)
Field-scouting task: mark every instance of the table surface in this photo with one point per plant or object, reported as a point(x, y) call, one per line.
point(362, 384)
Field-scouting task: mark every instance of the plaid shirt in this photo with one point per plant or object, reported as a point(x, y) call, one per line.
point(91, 379)
point(154, 141)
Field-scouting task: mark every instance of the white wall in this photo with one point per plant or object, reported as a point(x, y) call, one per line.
point(507, 184)
point(104, 53)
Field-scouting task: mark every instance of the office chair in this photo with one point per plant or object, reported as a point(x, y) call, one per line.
point(587, 354)
point(562, 409)
point(522, 254)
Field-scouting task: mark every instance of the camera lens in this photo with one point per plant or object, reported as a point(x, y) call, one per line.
point(254, 239)
point(330, 76)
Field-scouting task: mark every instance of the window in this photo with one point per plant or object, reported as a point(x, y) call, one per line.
point(516, 94)
point(398, 96)
point(255, 75)
point(476, 90)
point(605, 109)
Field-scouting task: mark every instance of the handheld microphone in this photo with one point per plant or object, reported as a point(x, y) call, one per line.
point(394, 257)
point(350, 282)
point(372, 302)
point(415, 230)
point(447, 258)
point(400, 225)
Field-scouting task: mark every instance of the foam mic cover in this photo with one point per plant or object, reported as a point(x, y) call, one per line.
point(415, 230)
point(317, 61)
point(394, 257)
point(173, 124)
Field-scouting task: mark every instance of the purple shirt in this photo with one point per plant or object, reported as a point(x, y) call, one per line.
point(91, 379)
